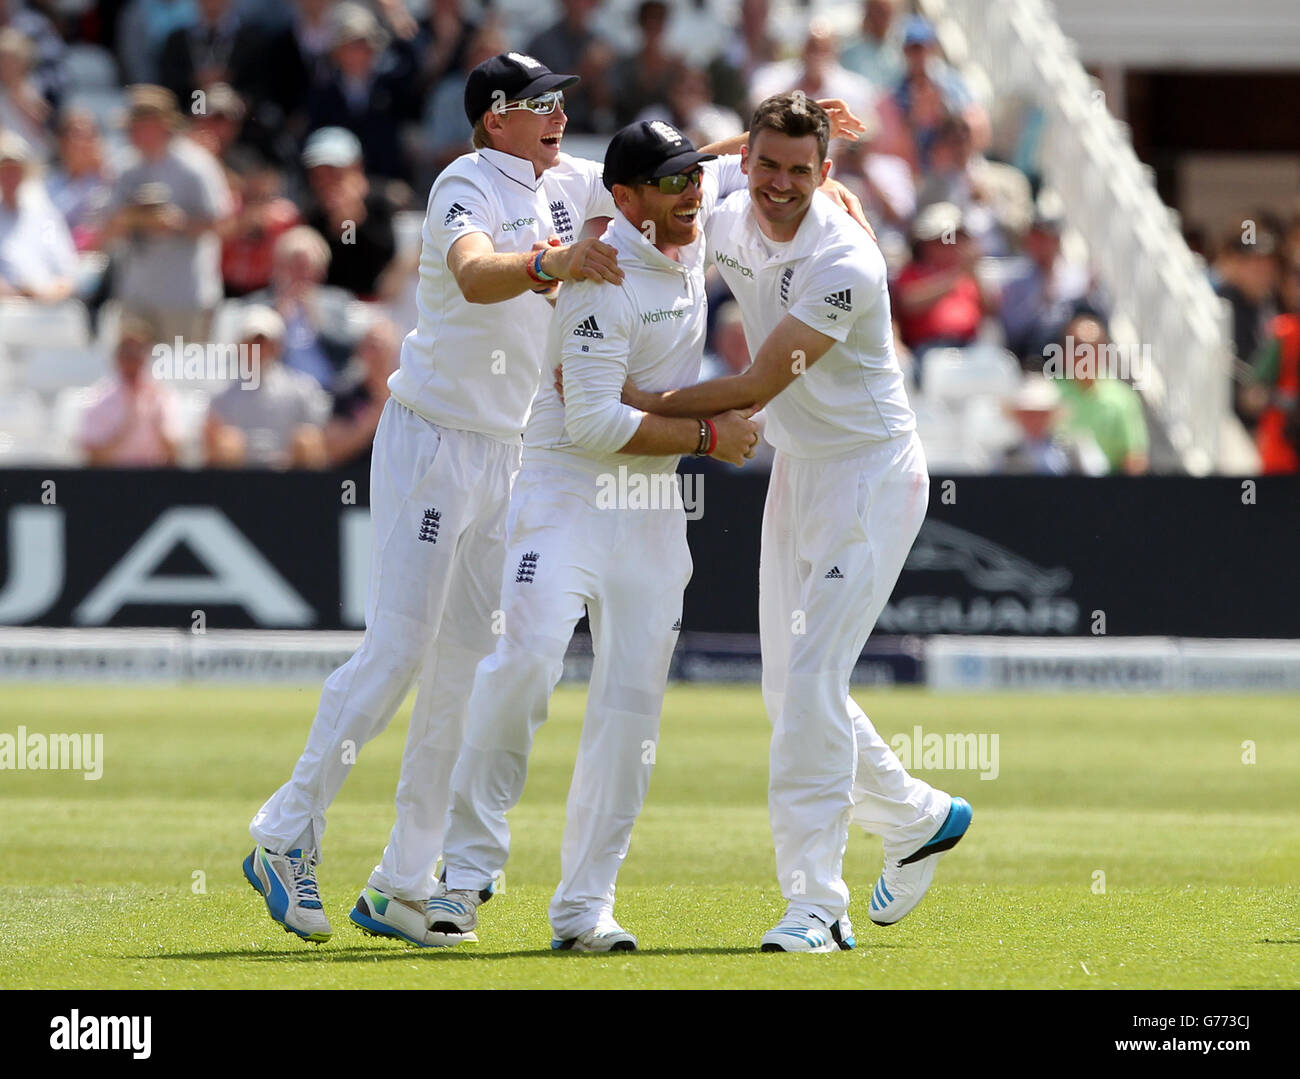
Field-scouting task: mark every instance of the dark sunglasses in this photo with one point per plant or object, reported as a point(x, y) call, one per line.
point(676, 183)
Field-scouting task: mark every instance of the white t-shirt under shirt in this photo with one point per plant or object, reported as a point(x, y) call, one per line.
point(476, 367)
point(831, 277)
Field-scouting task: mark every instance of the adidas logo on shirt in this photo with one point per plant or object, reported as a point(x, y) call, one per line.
point(843, 300)
point(834, 574)
point(677, 625)
point(457, 210)
point(588, 328)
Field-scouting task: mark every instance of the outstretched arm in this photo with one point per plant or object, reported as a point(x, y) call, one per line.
point(787, 353)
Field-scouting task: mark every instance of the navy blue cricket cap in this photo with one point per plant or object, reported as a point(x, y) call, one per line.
point(509, 76)
point(648, 150)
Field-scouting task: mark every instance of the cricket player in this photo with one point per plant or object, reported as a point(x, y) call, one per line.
point(847, 496)
point(576, 542)
point(445, 455)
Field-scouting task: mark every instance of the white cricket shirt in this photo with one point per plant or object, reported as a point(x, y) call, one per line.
point(831, 277)
point(651, 328)
point(475, 367)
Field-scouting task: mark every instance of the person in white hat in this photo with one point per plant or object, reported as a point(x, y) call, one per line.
point(38, 260)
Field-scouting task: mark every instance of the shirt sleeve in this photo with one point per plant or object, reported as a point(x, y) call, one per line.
point(600, 203)
point(727, 171)
point(841, 285)
point(1135, 424)
point(457, 208)
point(593, 327)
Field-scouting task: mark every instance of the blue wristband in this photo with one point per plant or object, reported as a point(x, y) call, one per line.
point(537, 268)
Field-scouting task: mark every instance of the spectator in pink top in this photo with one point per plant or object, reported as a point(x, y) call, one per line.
point(133, 420)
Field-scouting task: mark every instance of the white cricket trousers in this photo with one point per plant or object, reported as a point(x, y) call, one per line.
point(438, 503)
point(835, 536)
point(629, 567)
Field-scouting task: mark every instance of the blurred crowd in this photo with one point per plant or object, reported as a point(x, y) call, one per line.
point(262, 177)
point(1256, 268)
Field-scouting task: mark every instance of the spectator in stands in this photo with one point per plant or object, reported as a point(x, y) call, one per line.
point(318, 334)
point(445, 36)
point(273, 421)
point(81, 184)
point(37, 258)
point(884, 183)
point(361, 396)
point(143, 27)
point(817, 73)
point(571, 45)
point(23, 110)
point(1245, 273)
point(218, 47)
point(930, 90)
point(367, 91)
point(217, 125)
point(1272, 393)
point(732, 71)
point(876, 54)
point(447, 130)
point(165, 210)
point(47, 47)
point(647, 73)
point(356, 222)
point(689, 108)
point(939, 300)
point(1044, 448)
point(1105, 408)
point(262, 215)
point(133, 420)
point(1044, 291)
point(297, 65)
point(995, 199)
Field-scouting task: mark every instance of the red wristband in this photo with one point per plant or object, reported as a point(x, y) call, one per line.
point(713, 439)
point(532, 273)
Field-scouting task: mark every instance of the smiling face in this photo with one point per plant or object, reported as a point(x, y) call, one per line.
point(784, 171)
point(525, 134)
point(672, 219)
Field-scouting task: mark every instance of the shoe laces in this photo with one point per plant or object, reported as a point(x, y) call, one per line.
point(305, 888)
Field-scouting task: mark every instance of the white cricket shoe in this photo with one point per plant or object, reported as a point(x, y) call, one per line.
point(453, 912)
point(288, 884)
point(382, 915)
point(907, 875)
point(803, 932)
point(605, 936)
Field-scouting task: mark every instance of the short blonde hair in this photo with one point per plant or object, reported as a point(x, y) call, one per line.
point(302, 239)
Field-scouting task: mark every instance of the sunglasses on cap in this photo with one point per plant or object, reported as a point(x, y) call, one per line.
point(676, 183)
point(541, 105)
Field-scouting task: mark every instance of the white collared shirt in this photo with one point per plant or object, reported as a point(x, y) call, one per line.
point(475, 367)
point(650, 328)
point(831, 277)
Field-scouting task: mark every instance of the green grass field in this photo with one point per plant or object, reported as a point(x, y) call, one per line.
point(133, 881)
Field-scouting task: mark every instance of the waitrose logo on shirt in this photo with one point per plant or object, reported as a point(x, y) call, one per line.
point(511, 226)
point(724, 259)
point(662, 315)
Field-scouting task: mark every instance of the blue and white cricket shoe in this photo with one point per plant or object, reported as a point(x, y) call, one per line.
point(382, 915)
point(606, 936)
point(802, 932)
point(453, 912)
point(288, 884)
point(906, 877)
